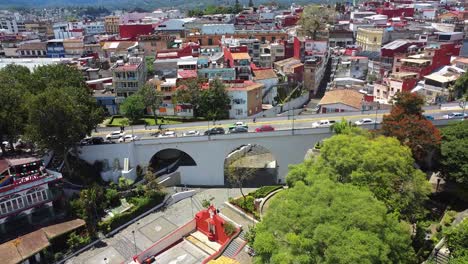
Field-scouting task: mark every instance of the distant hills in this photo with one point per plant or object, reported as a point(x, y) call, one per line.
point(128, 4)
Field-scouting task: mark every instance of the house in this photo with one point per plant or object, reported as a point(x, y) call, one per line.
point(371, 39)
point(26, 187)
point(128, 78)
point(111, 24)
point(396, 82)
point(118, 48)
point(246, 98)
point(32, 49)
point(343, 100)
point(270, 81)
point(239, 59)
point(436, 85)
point(253, 46)
point(133, 31)
point(55, 48)
point(74, 47)
point(461, 63)
point(152, 44)
point(212, 71)
point(292, 68)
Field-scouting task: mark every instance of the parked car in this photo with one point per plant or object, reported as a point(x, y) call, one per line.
point(191, 133)
point(214, 131)
point(167, 134)
point(455, 115)
point(239, 129)
point(265, 128)
point(92, 141)
point(115, 135)
point(365, 121)
point(128, 138)
point(323, 123)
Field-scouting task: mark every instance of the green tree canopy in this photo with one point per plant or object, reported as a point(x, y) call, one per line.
point(58, 75)
point(381, 164)
point(152, 99)
point(459, 89)
point(61, 116)
point(457, 240)
point(454, 152)
point(315, 18)
point(214, 101)
point(133, 107)
point(13, 108)
point(329, 222)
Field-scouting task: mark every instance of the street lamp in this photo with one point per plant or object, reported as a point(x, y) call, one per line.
point(134, 240)
point(376, 110)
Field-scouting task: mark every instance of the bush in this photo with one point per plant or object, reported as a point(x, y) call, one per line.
point(264, 191)
point(112, 197)
point(206, 203)
point(229, 228)
point(140, 205)
point(247, 204)
point(75, 241)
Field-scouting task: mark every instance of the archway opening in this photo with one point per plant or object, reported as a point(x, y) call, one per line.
point(169, 160)
point(253, 164)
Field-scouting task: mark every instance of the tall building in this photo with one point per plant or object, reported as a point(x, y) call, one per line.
point(128, 77)
point(25, 191)
point(111, 24)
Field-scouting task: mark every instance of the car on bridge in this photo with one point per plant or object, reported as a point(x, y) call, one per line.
point(128, 138)
point(365, 121)
point(238, 124)
point(239, 129)
point(191, 133)
point(92, 141)
point(214, 131)
point(265, 128)
point(455, 115)
point(167, 134)
point(323, 123)
point(115, 135)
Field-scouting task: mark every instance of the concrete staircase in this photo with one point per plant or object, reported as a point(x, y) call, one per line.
point(201, 241)
point(234, 247)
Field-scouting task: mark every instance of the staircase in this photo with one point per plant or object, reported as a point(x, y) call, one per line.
point(200, 245)
point(234, 247)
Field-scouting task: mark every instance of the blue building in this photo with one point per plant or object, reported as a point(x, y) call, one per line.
point(55, 48)
point(215, 71)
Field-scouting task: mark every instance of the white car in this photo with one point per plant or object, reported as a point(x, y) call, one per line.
point(191, 133)
point(455, 116)
point(323, 123)
point(167, 134)
point(115, 135)
point(128, 138)
point(365, 121)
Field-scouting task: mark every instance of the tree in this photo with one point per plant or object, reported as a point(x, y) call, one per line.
point(237, 7)
point(57, 75)
point(454, 154)
point(411, 128)
point(345, 127)
point(133, 107)
point(59, 117)
point(152, 99)
point(237, 175)
point(459, 89)
point(251, 4)
point(381, 164)
point(89, 205)
point(457, 240)
point(214, 101)
point(149, 61)
point(14, 85)
point(315, 18)
point(330, 222)
point(189, 92)
point(152, 184)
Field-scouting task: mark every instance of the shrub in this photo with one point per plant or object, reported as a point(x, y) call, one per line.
point(229, 228)
point(75, 241)
point(247, 204)
point(112, 197)
point(264, 191)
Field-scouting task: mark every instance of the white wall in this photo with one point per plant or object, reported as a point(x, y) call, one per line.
point(233, 112)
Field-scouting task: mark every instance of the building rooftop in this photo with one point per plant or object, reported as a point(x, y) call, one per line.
point(343, 96)
point(185, 74)
point(33, 46)
point(416, 61)
point(244, 86)
point(395, 44)
point(441, 78)
point(263, 74)
point(241, 56)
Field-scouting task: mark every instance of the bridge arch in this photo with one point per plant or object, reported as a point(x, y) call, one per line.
point(169, 160)
point(254, 160)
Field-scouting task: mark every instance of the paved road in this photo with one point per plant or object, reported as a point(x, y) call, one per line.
point(279, 123)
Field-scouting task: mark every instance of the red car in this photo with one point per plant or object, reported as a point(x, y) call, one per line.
point(265, 128)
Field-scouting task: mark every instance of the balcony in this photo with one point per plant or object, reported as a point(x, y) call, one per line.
point(28, 182)
point(17, 204)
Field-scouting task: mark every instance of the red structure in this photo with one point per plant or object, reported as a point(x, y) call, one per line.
point(132, 31)
point(396, 12)
point(211, 224)
point(187, 49)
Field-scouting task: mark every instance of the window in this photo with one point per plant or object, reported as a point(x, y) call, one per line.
point(375, 39)
point(239, 112)
point(273, 39)
point(3, 209)
point(210, 41)
point(263, 39)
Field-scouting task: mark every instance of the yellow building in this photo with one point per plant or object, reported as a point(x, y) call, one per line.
point(371, 39)
point(111, 24)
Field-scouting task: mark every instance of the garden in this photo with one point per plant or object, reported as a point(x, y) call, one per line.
point(248, 204)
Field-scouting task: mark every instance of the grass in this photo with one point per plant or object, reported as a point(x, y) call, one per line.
point(149, 121)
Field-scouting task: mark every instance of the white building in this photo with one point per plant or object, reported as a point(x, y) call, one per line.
point(12, 25)
point(94, 28)
point(219, 29)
